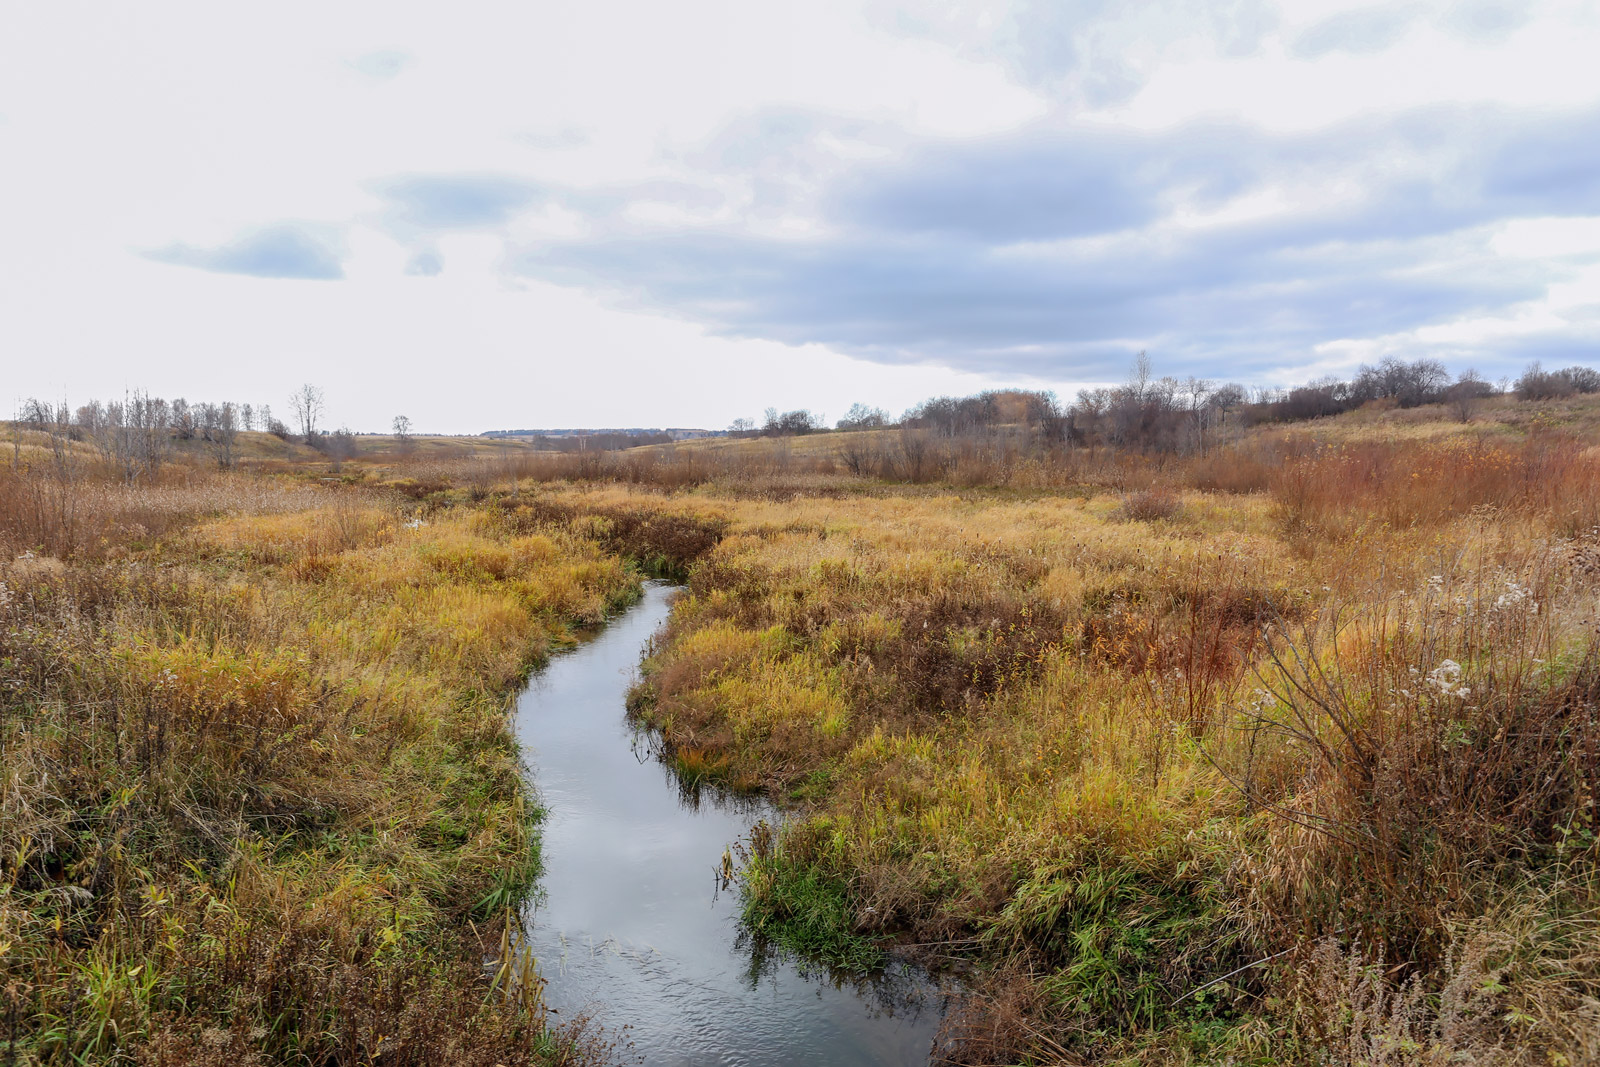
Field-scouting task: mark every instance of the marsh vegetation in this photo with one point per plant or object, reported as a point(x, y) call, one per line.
point(1275, 745)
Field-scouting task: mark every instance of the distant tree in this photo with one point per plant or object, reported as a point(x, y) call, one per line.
point(247, 417)
point(402, 432)
point(339, 446)
point(89, 421)
point(183, 419)
point(224, 432)
point(1538, 384)
point(1462, 397)
point(742, 427)
point(862, 417)
point(206, 417)
point(790, 423)
point(136, 434)
point(306, 402)
point(55, 422)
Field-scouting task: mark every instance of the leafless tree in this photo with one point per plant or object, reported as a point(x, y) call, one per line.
point(206, 417)
point(916, 462)
point(247, 418)
point(862, 417)
point(224, 432)
point(402, 433)
point(307, 405)
point(183, 419)
point(51, 420)
point(134, 434)
point(860, 457)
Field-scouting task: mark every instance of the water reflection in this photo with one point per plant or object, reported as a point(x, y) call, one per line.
point(633, 924)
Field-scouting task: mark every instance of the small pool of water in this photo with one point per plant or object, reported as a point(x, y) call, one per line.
point(632, 926)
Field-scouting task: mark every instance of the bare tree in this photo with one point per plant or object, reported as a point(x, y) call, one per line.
point(306, 403)
point(860, 457)
point(402, 433)
point(247, 417)
point(206, 416)
point(862, 417)
point(224, 432)
point(134, 434)
point(1462, 397)
point(55, 422)
point(183, 419)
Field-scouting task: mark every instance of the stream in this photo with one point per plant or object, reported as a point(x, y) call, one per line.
point(632, 926)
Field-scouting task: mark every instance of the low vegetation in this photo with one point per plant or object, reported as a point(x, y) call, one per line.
point(258, 799)
point(1303, 773)
point(1224, 742)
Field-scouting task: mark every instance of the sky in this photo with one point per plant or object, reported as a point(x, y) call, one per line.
point(536, 214)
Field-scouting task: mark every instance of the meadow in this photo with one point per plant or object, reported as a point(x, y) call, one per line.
point(1296, 770)
point(258, 800)
point(1279, 750)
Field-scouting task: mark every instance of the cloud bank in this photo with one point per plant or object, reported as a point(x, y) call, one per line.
point(282, 251)
point(1057, 251)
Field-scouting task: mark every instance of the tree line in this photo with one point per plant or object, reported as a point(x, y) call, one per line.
point(138, 433)
point(1167, 414)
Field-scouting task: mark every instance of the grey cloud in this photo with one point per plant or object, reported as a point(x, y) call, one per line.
point(457, 201)
point(1049, 253)
point(1079, 47)
point(283, 251)
point(1487, 20)
point(1071, 315)
point(1369, 29)
point(426, 263)
point(1028, 187)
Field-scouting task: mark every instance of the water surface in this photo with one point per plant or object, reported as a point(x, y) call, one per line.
point(632, 925)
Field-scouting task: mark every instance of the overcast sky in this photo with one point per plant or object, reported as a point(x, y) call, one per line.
point(645, 213)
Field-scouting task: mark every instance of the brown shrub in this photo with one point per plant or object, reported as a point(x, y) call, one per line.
point(1150, 505)
point(1418, 779)
point(663, 542)
point(1332, 490)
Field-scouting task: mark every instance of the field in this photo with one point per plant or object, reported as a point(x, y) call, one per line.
point(1279, 751)
point(258, 802)
point(1302, 771)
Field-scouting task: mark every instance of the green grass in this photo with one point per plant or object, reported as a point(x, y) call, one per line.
point(805, 910)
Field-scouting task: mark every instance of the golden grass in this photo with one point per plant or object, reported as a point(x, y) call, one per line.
point(1268, 754)
point(1081, 747)
point(257, 785)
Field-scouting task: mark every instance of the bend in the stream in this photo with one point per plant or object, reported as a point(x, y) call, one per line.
point(632, 925)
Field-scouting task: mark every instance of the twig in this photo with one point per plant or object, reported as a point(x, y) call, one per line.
point(1230, 974)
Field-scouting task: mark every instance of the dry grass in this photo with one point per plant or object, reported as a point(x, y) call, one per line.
point(256, 786)
point(1266, 734)
point(1283, 752)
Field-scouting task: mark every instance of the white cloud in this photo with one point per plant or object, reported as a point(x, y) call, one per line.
point(196, 129)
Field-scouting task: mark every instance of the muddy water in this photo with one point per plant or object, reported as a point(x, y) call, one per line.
point(632, 926)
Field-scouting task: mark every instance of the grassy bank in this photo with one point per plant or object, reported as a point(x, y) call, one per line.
point(258, 799)
point(1282, 751)
point(1299, 774)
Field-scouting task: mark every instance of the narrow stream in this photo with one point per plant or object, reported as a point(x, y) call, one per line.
point(632, 928)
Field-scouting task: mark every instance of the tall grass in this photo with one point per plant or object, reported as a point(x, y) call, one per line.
point(258, 800)
point(1177, 774)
